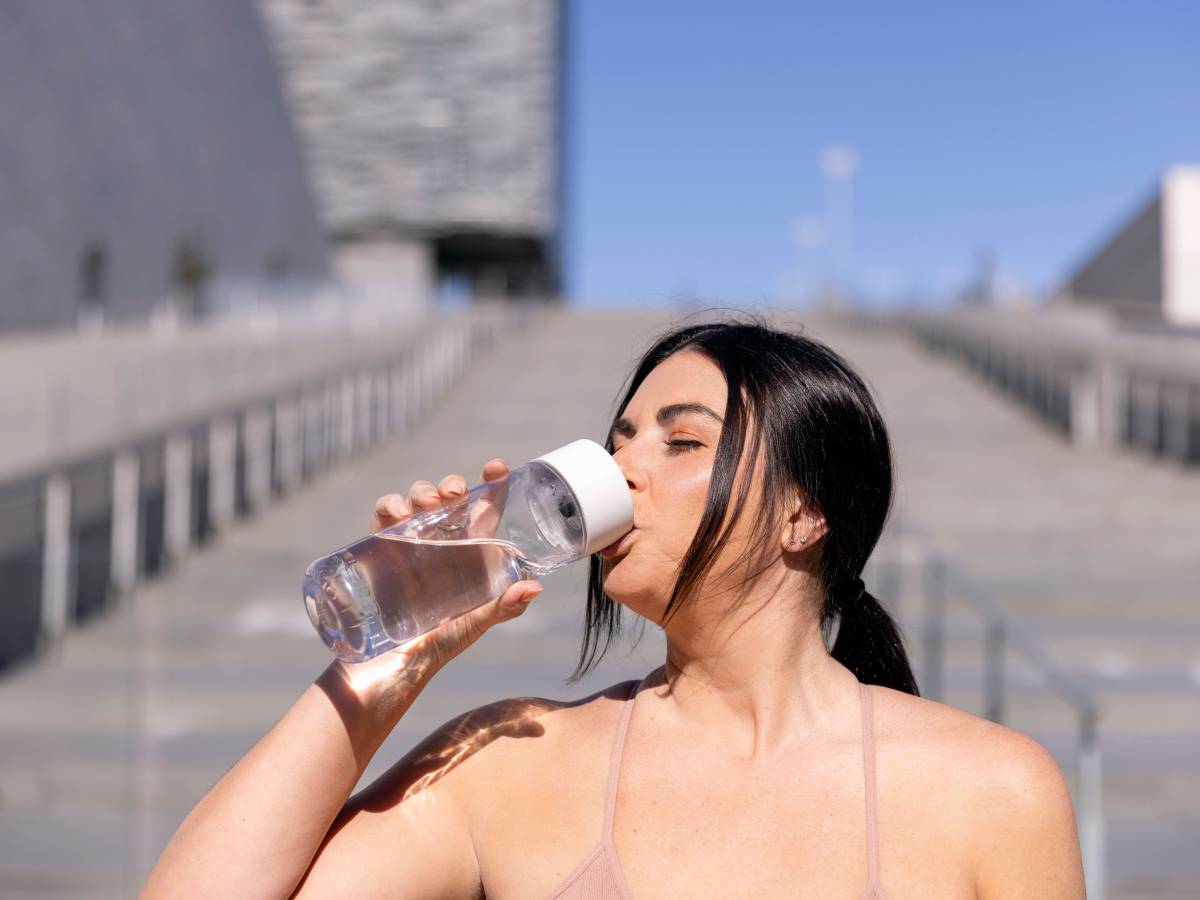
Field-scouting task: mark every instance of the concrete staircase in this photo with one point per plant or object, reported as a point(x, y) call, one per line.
point(108, 742)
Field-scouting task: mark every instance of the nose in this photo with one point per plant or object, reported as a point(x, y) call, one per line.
point(631, 482)
point(634, 477)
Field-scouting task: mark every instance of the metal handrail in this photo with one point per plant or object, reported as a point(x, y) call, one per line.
point(938, 579)
point(1099, 384)
point(305, 434)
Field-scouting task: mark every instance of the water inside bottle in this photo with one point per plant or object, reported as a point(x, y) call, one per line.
point(387, 589)
point(420, 584)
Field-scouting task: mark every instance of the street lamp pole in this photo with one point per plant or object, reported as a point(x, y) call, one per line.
point(839, 164)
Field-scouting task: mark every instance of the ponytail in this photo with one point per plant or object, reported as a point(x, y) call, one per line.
point(868, 642)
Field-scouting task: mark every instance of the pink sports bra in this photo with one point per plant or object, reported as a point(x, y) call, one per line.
point(599, 875)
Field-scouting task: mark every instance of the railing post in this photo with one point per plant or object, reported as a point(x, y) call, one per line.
point(993, 671)
point(441, 357)
point(222, 465)
point(362, 410)
point(933, 632)
point(324, 403)
point(381, 423)
point(177, 512)
point(56, 556)
point(412, 388)
point(1147, 414)
point(1085, 413)
point(126, 483)
point(396, 398)
point(1114, 401)
point(333, 426)
point(1091, 813)
point(287, 444)
point(258, 457)
point(890, 586)
point(310, 431)
point(465, 332)
point(1177, 422)
point(346, 418)
point(427, 378)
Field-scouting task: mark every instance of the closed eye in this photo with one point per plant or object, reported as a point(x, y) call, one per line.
point(689, 445)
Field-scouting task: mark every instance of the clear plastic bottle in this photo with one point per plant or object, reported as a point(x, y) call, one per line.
point(394, 585)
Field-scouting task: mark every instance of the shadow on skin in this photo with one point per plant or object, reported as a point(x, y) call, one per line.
point(457, 741)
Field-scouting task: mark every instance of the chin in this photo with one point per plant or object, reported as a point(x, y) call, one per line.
point(632, 592)
point(616, 582)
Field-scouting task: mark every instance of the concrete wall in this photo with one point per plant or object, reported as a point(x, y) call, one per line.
point(142, 137)
point(390, 272)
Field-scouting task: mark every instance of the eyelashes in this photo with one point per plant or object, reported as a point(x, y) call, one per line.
point(677, 447)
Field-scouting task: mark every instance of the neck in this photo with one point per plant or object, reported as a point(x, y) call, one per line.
point(759, 678)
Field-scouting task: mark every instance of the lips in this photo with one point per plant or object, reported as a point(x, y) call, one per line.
point(620, 545)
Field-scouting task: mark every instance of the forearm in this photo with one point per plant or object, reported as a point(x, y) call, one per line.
point(256, 831)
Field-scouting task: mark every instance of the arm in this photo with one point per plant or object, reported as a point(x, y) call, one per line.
point(410, 831)
point(1027, 844)
point(256, 831)
point(282, 810)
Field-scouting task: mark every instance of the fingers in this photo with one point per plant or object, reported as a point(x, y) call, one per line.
point(437, 647)
point(452, 486)
point(425, 495)
point(516, 600)
point(494, 469)
point(389, 509)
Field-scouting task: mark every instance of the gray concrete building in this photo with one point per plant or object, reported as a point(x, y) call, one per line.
point(432, 132)
point(1149, 267)
point(148, 163)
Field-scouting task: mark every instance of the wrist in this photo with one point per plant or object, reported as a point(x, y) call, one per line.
point(375, 694)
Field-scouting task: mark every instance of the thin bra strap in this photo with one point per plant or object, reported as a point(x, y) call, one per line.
point(868, 738)
point(614, 764)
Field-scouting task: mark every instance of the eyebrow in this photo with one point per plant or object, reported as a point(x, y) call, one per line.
point(671, 411)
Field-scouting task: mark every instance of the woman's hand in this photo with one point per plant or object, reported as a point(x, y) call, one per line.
point(416, 661)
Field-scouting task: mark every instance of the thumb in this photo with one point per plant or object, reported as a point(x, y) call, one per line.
point(453, 637)
point(514, 601)
point(471, 626)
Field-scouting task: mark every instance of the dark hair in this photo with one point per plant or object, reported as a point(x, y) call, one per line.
point(824, 436)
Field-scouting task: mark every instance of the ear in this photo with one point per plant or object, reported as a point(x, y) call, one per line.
point(805, 525)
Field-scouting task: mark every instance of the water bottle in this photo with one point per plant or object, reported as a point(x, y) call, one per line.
point(395, 585)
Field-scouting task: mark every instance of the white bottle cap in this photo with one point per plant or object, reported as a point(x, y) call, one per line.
point(600, 488)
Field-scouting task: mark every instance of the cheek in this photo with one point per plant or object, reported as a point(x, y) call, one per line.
point(692, 491)
point(679, 504)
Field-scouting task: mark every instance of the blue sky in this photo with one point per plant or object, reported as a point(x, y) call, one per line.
point(1027, 129)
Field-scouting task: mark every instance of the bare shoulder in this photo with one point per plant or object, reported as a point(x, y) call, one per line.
point(481, 748)
point(997, 787)
point(980, 757)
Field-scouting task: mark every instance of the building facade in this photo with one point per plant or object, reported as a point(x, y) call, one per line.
point(432, 132)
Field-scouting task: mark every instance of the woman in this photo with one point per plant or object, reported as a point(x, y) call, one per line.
point(755, 763)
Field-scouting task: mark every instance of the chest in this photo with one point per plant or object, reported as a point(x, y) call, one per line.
point(695, 827)
point(685, 823)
